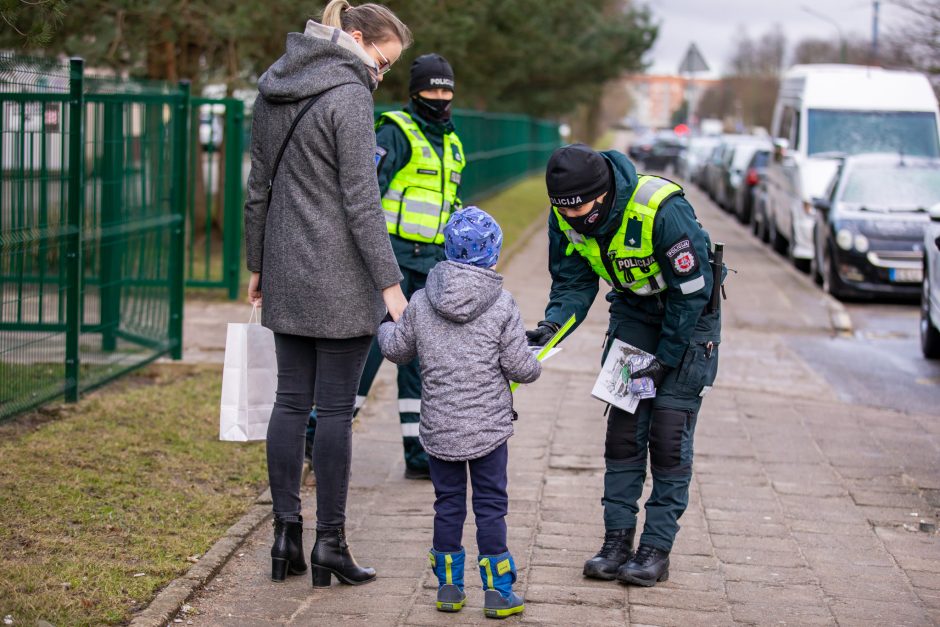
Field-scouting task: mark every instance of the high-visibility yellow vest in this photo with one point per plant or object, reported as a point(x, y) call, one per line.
point(628, 264)
point(422, 194)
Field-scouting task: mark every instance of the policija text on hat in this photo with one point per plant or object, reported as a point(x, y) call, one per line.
point(640, 235)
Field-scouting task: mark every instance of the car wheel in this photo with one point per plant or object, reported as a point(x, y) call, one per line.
point(760, 222)
point(776, 238)
point(801, 264)
point(815, 269)
point(929, 334)
point(831, 283)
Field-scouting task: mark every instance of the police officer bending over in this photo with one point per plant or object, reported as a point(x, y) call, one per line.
point(641, 236)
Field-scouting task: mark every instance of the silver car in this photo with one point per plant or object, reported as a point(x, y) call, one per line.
point(692, 160)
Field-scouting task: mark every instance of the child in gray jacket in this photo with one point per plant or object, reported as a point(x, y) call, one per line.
point(467, 333)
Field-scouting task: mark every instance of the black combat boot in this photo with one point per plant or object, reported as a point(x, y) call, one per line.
point(616, 550)
point(331, 555)
point(647, 568)
point(287, 552)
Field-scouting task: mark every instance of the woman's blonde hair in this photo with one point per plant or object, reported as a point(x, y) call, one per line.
point(376, 22)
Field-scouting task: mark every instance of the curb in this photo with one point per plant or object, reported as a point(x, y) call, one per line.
point(170, 599)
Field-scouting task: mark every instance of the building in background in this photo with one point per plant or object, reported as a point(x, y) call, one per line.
point(656, 98)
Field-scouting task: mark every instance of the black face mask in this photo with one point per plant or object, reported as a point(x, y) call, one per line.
point(590, 221)
point(432, 110)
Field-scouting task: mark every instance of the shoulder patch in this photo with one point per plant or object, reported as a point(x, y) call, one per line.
point(380, 154)
point(682, 257)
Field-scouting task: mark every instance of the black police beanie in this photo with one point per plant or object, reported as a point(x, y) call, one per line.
point(430, 71)
point(576, 174)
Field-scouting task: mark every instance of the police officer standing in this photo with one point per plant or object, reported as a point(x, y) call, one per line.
point(641, 236)
point(419, 160)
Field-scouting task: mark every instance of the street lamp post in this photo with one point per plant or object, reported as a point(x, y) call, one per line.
point(826, 18)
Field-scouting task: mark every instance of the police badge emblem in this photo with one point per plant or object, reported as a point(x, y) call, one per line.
point(684, 263)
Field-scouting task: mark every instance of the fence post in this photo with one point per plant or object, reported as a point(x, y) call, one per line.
point(177, 233)
point(232, 219)
point(73, 238)
point(112, 205)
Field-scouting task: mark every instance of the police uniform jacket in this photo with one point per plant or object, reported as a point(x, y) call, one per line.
point(680, 246)
point(393, 152)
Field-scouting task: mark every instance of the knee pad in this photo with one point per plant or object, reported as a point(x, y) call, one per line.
point(621, 441)
point(667, 433)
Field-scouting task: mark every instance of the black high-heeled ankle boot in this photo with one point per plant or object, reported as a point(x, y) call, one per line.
point(331, 556)
point(287, 552)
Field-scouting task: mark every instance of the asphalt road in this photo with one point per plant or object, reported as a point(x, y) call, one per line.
point(881, 363)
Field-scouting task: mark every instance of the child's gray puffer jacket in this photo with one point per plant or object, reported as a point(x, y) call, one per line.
point(467, 333)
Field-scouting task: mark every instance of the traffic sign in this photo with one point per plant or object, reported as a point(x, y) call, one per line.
point(693, 61)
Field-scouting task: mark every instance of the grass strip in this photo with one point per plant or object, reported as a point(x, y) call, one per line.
point(105, 502)
point(518, 206)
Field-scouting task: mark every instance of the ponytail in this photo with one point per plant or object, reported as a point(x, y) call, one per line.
point(376, 22)
point(332, 14)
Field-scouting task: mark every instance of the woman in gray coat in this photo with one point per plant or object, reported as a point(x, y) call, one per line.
point(320, 255)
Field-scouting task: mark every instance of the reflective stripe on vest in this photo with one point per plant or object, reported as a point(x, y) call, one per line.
point(635, 268)
point(422, 194)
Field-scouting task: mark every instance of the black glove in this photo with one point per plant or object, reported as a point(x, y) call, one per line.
point(656, 371)
point(540, 335)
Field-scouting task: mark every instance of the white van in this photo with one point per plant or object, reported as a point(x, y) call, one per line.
point(829, 111)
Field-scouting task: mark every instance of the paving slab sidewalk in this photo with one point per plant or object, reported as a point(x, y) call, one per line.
point(803, 508)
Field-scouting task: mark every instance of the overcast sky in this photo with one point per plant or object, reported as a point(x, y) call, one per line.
point(712, 25)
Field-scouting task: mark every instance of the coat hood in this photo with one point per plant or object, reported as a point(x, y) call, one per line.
point(625, 180)
point(316, 61)
point(460, 292)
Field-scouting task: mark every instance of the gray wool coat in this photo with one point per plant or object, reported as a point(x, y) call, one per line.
point(467, 334)
point(322, 247)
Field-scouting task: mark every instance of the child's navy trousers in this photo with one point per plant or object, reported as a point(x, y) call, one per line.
point(490, 501)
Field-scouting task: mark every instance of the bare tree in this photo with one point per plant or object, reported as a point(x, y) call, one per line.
point(919, 36)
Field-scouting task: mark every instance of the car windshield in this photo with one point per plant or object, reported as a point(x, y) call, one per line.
point(910, 187)
point(761, 159)
point(742, 156)
point(855, 132)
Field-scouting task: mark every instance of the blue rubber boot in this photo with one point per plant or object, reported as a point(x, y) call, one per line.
point(498, 573)
point(449, 570)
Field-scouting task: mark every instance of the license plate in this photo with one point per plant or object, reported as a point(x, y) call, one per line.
point(907, 275)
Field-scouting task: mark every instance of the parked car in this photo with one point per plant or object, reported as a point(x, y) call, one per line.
point(211, 130)
point(641, 146)
point(930, 296)
point(747, 190)
point(718, 164)
point(826, 111)
point(869, 230)
point(692, 160)
point(664, 155)
point(733, 171)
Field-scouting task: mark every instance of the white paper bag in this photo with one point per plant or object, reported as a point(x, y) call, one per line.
point(249, 382)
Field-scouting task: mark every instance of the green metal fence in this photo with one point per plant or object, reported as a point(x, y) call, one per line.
point(92, 195)
point(116, 194)
point(217, 162)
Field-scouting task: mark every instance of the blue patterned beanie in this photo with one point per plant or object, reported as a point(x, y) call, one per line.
point(473, 236)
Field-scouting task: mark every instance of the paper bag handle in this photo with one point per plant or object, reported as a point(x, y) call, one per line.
point(254, 315)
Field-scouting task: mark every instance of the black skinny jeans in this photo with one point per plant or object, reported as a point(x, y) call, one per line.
point(324, 372)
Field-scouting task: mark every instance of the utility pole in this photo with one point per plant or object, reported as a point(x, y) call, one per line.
point(874, 32)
